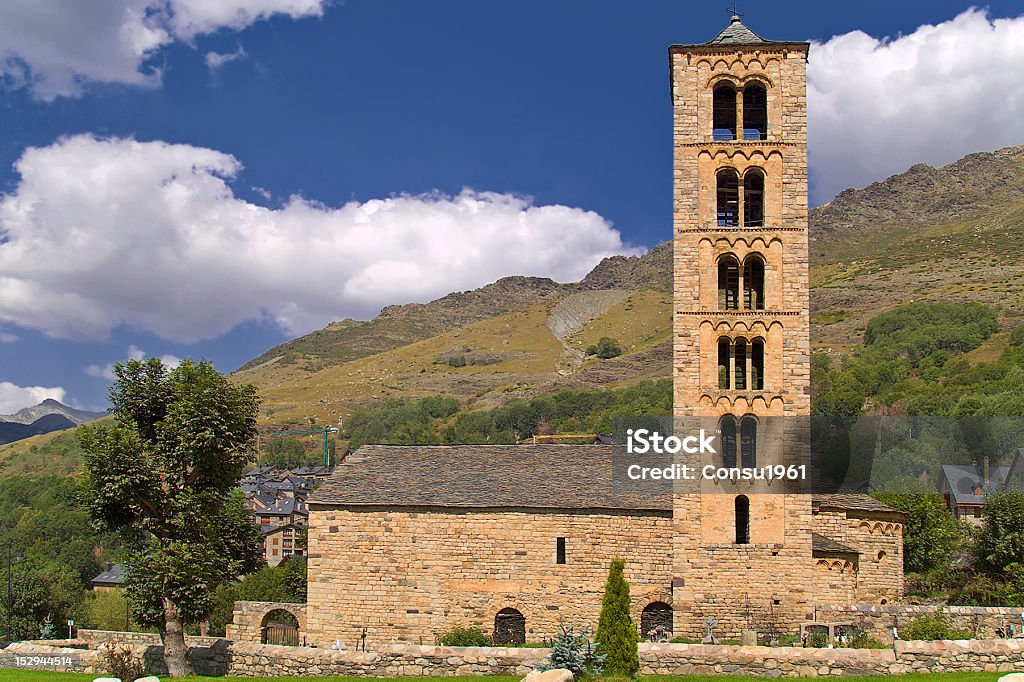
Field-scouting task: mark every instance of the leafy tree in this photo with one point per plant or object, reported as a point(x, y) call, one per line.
point(1000, 540)
point(608, 348)
point(616, 632)
point(1017, 335)
point(931, 534)
point(107, 610)
point(285, 453)
point(164, 473)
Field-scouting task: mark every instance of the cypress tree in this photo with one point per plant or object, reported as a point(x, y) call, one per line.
point(616, 633)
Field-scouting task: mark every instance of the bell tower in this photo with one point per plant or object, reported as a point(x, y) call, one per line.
point(741, 357)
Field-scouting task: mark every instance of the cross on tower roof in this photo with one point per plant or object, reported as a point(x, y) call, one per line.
point(734, 12)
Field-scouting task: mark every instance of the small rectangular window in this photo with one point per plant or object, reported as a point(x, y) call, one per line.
point(560, 551)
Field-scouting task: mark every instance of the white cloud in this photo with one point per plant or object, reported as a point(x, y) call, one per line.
point(216, 60)
point(134, 353)
point(161, 243)
point(6, 337)
point(56, 46)
point(876, 107)
point(14, 397)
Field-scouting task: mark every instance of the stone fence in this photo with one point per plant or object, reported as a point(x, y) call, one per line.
point(120, 638)
point(261, 660)
point(877, 621)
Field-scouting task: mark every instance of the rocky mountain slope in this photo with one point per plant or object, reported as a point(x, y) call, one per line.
point(953, 233)
point(49, 415)
point(50, 406)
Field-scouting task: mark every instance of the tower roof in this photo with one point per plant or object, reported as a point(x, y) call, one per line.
point(737, 34)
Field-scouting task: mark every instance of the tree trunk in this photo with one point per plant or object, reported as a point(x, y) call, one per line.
point(173, 636)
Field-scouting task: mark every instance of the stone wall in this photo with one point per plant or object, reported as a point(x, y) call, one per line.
point(877, 621)
point(91, 637)
point(876, 577)
point(262, 660)
point(408, 576)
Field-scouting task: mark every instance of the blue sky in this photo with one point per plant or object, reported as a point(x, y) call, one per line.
point(195, 184)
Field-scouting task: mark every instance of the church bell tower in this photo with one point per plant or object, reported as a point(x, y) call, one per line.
point(741, 358)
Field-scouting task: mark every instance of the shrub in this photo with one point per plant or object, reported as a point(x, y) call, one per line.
point(817, 639)
point(616, 633)
point(608, 348)
point(860, 640)
point(932, 628)
point(119, 662)
point(1017, 336)
point(459, 636)
point(574, 653)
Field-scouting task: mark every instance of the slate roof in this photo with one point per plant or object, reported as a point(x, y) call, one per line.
point(548, 476)
point(852, 502)
point(736, 33)
point(483, 476)
point(821, 544)
point(962, 480)
point(113, 576)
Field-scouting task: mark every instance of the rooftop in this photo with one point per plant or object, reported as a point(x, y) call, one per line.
point(737, 34)
point(504, 476)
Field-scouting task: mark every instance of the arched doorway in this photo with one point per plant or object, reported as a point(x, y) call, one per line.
point(656, 621)
point(509, 628)
point(280, 627)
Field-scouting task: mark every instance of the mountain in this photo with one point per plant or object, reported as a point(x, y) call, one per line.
point(50, 406)
point(948, 234)
point(953, 233)
point(49, 415)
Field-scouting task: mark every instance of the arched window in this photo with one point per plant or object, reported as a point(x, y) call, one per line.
point(748, 442)
point(753, 198)
point(757, 365)
point(509, 628)
point(755, 112)
point(727, 427)
point(742, 520)
point(724, 112)
point(753, 283)
point(724, 347)
point(656, 621)
point(728, 283)
point(728, 207)
point(740, 366)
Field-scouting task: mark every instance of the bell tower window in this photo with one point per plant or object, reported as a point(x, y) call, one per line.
point(728, 283)
point(755, 112)
point(753, 198)
point(753, 283)
point(724, 112)
point(728, 182)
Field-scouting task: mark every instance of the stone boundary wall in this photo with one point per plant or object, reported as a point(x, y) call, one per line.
point(261, 660)
point(145, 638)
point(877, 621)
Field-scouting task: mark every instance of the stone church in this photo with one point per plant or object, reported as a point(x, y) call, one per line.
point(406, 542)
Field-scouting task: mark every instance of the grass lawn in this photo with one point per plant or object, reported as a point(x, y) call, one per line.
point(43, 676)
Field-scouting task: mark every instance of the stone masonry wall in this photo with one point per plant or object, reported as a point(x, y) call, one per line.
point(262, 660)
point(247, 619)
point(408, 576)
point(877, 621)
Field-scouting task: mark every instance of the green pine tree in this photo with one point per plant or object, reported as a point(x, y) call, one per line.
point(616, 633)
